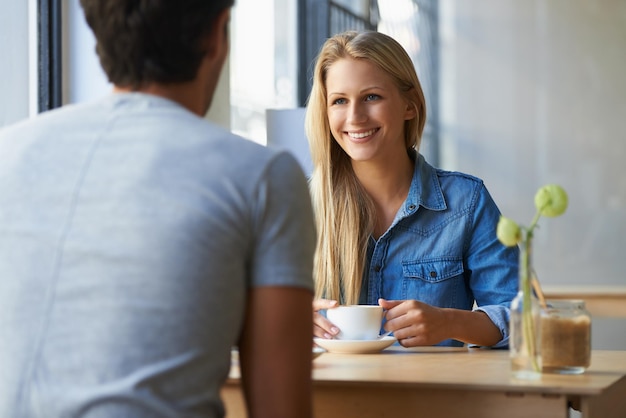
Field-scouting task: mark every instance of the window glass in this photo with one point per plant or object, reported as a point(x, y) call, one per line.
point(414, 24)
point(263, 63)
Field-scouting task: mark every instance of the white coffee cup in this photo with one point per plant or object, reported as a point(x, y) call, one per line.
point(356, 322)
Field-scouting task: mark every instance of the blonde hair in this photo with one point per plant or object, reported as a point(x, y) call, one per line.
point(345, 214)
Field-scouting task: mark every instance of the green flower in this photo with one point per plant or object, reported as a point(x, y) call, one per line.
point(508, 232)
point(551, 200)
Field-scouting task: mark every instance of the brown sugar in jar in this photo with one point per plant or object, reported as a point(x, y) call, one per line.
point(565, 337)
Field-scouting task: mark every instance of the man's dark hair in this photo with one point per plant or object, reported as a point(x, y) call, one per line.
point(142, 41)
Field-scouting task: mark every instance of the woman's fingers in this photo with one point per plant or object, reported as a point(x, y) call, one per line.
point(320, 304)
point(411, 321)
point(322, 327)
point(389, 304)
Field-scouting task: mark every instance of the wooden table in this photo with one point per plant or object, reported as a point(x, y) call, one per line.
point(446, 382)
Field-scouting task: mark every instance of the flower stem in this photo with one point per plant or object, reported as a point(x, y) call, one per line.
point(528, 324)
point(533, 224)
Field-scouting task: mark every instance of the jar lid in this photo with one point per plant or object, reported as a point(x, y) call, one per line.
point(565, 304)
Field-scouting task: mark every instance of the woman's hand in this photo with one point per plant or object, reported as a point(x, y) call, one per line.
point(322, 327)
point(414, 323)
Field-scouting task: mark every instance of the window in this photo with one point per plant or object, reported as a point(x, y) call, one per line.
point(415, 24)
point(262, 63)
point(273, 68)
point(49, 54)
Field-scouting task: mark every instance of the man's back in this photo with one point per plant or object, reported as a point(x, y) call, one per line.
point(130, 233)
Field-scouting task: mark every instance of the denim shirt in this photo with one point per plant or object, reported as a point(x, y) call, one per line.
point(442, 250)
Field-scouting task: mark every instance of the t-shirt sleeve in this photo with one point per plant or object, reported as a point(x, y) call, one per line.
point(284, 227)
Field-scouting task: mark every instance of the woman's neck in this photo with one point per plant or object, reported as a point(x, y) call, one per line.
point(388, 186)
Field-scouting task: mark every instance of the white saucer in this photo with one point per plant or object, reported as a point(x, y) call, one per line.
point(317, 351)
point(355, 346)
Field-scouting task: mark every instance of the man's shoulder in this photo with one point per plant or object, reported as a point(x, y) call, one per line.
point(35, 122)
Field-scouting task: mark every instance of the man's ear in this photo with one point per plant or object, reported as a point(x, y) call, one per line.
point(217, 39)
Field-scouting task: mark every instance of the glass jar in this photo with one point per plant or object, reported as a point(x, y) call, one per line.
point(565, 337)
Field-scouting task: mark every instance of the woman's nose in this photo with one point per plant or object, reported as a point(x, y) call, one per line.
point(356, 113)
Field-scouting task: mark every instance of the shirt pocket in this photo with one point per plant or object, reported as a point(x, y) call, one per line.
point(433, 270)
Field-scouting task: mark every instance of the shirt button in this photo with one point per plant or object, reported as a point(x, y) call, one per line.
point(377, 268)
point(433, 274)
point(411, 207)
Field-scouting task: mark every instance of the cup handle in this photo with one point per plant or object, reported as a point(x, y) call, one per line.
point(380, 337)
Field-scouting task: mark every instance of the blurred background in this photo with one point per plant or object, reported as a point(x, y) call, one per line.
point(520, 93)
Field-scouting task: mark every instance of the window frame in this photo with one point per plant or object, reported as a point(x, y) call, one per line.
point(49, 55)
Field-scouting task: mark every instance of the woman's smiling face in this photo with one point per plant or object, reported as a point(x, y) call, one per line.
point(366, 111)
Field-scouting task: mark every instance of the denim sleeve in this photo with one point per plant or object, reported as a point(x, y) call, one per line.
point(493, 267)
point(499, 315)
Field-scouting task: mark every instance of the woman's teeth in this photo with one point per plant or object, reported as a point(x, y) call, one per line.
point(359, 135)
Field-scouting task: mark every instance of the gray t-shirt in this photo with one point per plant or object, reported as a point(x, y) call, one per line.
point(130, 232)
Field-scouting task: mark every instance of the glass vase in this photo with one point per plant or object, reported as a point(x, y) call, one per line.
point(525, 322)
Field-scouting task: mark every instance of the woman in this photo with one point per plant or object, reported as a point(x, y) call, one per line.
point(393, 230)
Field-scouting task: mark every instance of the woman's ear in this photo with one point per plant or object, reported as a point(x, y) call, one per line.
point(410, 111)
point(412, 99)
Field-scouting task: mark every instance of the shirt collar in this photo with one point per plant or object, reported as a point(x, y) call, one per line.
point(425, 188)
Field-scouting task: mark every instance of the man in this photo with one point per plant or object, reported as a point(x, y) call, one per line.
point(139, 243)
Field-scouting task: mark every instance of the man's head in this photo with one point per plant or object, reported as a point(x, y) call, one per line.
point(140, 42)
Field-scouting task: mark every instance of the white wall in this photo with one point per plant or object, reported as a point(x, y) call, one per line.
point(534, 92)
point(14, 74)
point(83, 77)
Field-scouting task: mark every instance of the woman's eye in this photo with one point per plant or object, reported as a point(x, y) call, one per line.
point(372, 97)
point(340, 101)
